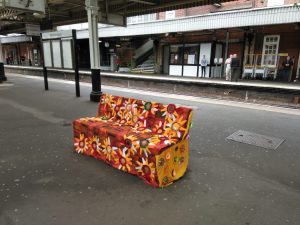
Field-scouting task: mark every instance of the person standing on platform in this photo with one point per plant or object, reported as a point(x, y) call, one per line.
point(118, 62)
point(228, 68)
point(203, 63)
point(287, 65)
point(235, 68)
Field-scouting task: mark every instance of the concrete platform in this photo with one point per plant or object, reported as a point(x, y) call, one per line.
point(257, 91)
point(42, 181)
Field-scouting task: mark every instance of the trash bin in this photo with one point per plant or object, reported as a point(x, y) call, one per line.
point(2, 72)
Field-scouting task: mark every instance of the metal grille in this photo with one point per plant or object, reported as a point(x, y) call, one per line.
point(256, 139)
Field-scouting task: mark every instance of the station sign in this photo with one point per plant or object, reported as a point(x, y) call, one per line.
point(112, 19)
point(24, 5)
point(33, 29)
point(57, 34)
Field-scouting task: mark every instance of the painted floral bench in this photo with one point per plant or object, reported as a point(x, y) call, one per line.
point(147, 139)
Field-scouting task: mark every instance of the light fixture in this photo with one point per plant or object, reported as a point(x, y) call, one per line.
point(39, 15)
point(217, 4)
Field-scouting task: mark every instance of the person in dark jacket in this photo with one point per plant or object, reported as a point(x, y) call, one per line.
point(118, 62)
point(235, 68)
point(286, 66)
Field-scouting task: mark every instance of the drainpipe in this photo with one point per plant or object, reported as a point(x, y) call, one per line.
point(155, 53)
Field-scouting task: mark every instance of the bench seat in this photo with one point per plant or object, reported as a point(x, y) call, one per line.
point(147, 139)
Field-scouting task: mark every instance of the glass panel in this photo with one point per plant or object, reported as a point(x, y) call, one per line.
point(176, 54)
point(56, 50)
point(270, 50)
point(191, 54)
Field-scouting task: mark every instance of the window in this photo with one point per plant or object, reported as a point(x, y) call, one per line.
point(141, 18)
point(270, 50)
point(170, 14)
point(152, 17)
point(275, 2)
point(176, 54)
point(191, 54)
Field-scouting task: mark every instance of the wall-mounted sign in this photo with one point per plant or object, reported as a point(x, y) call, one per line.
point(15, 39)
point(57, 34)
point(33, 29)
point(58, 49)
point(113, 19)
point(24, 5)
point(60, 52)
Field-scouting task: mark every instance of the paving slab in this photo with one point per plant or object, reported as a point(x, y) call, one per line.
point(42, 181)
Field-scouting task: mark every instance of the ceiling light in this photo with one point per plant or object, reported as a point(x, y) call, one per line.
point(217, 5)
point(39, 15)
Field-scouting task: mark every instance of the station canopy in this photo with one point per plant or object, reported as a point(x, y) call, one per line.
point(15, 14)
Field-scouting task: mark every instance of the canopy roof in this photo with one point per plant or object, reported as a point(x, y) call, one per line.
point(62, 12)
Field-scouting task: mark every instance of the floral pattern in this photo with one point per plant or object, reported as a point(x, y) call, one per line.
point(81, 144)
point(137, 137)
point(124, 161)
point(108, 150)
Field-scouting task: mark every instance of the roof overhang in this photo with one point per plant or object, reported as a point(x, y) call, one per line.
point(62, 12)
point(212, 21)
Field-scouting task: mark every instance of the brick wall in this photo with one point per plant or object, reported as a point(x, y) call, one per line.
point(234, 5)
point(260, 3)
point(161, 16)
point(20, 50)
point(287, 2)
point(180, 13)
point(199, 10)
point(263, 3)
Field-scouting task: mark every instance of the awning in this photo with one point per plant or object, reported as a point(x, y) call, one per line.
point(221, 20)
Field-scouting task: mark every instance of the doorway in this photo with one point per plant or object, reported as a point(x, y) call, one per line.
point(166, 59)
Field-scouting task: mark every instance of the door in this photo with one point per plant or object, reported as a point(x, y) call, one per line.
point(166, 59)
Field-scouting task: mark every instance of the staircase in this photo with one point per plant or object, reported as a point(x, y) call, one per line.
point(146, 67)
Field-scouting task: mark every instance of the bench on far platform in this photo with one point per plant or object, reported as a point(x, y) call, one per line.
point(147, 139)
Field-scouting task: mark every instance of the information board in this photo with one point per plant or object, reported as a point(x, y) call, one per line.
point(59, 52)
point(67, 54)
point(56, 53)
point(47, 53)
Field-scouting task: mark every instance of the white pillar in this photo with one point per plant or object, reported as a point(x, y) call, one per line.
point(92, 9)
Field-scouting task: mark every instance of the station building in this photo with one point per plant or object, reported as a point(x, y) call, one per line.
point(261, 32)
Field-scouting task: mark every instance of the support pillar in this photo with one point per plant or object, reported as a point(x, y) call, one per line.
point(2, 71)
point(226, 50)
point(45, 72)
point(92, 9)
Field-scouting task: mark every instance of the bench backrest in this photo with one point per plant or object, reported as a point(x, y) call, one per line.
point(146, 116)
